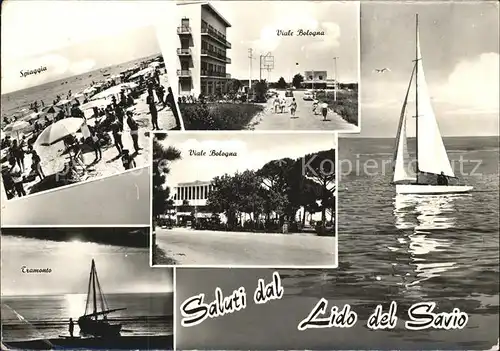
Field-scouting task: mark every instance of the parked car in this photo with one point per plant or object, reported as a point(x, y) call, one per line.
point(289, 93)
point(308, 96)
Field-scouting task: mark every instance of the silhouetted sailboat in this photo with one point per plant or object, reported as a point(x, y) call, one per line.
point(91, 323)
point(433, 168)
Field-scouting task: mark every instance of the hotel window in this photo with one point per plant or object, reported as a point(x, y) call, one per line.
point(204, 45)
point(185, 22)
point(320, 77)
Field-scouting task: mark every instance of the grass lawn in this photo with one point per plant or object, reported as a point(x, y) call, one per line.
point(346, 105)
point(218, 116)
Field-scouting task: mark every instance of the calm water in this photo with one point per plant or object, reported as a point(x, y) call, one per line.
point(405, 249)
point(13, 103)
point(47, 316)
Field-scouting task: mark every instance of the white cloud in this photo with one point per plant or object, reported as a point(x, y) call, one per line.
point(295, 16)
point(474, 84)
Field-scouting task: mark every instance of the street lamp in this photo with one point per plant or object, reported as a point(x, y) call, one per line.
point(335, 86)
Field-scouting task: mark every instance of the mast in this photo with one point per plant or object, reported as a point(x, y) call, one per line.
point(93, 288)
point(416, 93)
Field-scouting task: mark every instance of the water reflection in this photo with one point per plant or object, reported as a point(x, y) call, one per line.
point(424, 222)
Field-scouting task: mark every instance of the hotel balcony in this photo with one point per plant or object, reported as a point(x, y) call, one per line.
point(205, 73)
point(216, 36)
point(184, 30)
point(215, 55)
point(184, 51)
point(183, 73)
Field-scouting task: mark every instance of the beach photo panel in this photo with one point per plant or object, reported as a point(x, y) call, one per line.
point(79, 108)
point(85, 288)
point(241, 199)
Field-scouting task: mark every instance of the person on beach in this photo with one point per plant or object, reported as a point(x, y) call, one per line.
point(119, 115)
point(277, 104)
point(117, 136)
point(170, 101)
point(293, 107)
point(324, 110)
point(17, 152)
point(71, 327)
point(150, 100)
point(123, 98)
point(16, 175)
point(134, 130)
point(36, 166)
point(91, 140)
point(160, 93)
point(127, 161)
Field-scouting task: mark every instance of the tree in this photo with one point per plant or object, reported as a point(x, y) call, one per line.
point(162, 157)
point(281, 83)
point(260, 91)
point(320, 167)
point(234, 86)
point(297, 80)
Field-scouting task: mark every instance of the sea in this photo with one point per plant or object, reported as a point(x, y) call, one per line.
point(45, 317)
point(13, 103)
point(442, 249)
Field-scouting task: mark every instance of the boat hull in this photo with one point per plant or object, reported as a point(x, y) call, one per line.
point(423, 189)
point(98, 328)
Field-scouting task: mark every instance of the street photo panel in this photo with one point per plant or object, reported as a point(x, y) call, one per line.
point(233, 199)
point(295, 66)
point(80, 110)
point(83, 288)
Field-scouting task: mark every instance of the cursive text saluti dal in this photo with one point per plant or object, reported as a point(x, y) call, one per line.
point(299, 33)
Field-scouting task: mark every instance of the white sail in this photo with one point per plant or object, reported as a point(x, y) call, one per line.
point(401, 160)
point(432, 156)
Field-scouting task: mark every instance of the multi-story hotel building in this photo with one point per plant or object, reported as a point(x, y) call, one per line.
point(202, 50)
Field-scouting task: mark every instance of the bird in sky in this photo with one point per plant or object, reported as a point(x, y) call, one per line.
point(382, 70)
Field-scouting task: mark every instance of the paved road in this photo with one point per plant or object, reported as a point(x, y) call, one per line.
point(304, 119)
point(203, 247)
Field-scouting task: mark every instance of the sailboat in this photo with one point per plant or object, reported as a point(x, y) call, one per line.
point(96, 307)
point(433, 170)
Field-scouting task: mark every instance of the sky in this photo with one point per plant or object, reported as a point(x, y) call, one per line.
point(74, 37)
point(120, 270)
point(460, 51)
point(253, 151)
point(254, 25)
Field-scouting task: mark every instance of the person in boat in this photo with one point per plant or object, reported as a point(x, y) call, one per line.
point(71, 327)
point(442, 179)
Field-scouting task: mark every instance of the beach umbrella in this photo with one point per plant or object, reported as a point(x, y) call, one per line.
point(78, 95)
point(113, 91)
point(51, 109)
point(16, 126)
point(142, 72)
point(116, 76)
point(129, 85)
point(34, 115)
point(63, 102)
point(154, 64)
point(95, 103)
point(59, 130)
point(89, 90)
